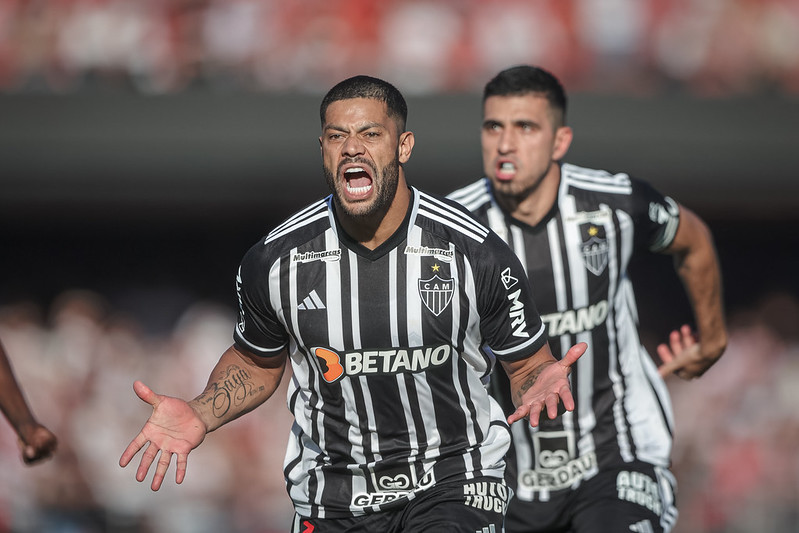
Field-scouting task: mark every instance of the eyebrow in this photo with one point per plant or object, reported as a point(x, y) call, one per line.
point(362, 128)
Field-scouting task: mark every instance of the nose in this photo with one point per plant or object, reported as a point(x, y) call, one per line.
point(352, 146)
point(507, 141)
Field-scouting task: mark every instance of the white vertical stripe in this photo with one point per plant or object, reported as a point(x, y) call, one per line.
point(580, 298)
point(413, 437)
point(470, 430)
point(561, 301)
point(336, 341)
point(625, 240)
point(496, 221)
point(293, 303)
point(414, 310)
point(518, 245)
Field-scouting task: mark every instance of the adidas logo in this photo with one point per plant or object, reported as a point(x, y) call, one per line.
point(644, 526)
point(312, 301)
point(489, 529)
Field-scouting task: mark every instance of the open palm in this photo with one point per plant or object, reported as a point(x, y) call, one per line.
point(173, 428)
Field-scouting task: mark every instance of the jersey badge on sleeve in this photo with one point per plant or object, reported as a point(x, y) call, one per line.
point(508, 280)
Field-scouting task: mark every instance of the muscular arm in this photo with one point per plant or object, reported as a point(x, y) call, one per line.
point(697, 266)
point(239, 383)
point(541, 382)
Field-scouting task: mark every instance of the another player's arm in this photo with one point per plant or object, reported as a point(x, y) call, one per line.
point(697, 265)
point(36, 441)
point(541, 382)
point(240, 382)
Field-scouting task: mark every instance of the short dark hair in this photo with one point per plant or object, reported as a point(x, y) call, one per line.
point(526, 79)
point(368, 87)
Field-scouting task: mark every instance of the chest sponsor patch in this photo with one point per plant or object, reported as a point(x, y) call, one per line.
point(335, 365)
point(325, 255)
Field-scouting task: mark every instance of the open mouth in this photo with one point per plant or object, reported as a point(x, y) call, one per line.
point(358, 181)
point(506, 170)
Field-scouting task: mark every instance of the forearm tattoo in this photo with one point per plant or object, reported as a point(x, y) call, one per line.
point(527, 383)
point(231, 389)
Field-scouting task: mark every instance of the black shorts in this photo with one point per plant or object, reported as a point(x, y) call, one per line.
point(633, 497)
point(473, 506)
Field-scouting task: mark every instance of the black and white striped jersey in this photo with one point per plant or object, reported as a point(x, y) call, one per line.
point(576, 259)
point(386, 348)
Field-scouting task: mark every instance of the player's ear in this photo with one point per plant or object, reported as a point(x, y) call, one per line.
point(563, 140)
point(405, 148)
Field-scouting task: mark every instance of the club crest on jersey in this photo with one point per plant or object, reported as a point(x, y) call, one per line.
point(594, 248)
point(436, 293)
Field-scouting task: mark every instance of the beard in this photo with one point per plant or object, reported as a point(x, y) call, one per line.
point(384, 182)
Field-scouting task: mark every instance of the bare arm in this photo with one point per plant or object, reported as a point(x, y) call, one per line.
point(541, 382)
point(239, 383)
point(36, 441)
point(697, 266)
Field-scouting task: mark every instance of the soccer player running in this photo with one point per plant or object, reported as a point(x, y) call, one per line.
point(604, 466)
point(381, 297)
point(36, 442)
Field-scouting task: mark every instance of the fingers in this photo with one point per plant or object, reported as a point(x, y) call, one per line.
point(519, 414)
point(566, 398)
point(182, 463)
point(132, 449)
point(147, 459)
point(145, 393)
point(670, 367)
point(574, 354)
point(680, 341)
point(161, 469)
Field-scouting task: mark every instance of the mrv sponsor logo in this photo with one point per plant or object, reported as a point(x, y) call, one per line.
point(516, 311)
point(390, 361)
point(574, 321)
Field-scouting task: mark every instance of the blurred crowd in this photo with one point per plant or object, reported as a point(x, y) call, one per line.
point(711, 47)
point(77, 362)
point(735, 450)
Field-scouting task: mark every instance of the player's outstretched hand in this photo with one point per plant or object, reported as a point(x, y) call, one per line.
point(550, 388)
point(36, 443)
point(683, 355)
point(173, 428)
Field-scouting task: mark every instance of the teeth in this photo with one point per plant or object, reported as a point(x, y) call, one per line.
point(354, 169)
point(507, 167)
point(358, 190)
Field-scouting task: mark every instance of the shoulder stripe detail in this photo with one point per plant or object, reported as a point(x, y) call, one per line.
point(439, 211)
point(308, 215)
point(264, 352)
point(472, 196)
point(597, 180)
point(670, 231)
point(532, 340)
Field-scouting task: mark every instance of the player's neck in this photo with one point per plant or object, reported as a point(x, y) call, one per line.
point(372, 231)
point(535, 203)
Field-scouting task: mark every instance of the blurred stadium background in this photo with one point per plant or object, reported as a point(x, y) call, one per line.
point(146, 144)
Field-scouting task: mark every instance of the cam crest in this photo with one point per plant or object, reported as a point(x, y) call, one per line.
point(594, 248)
point(436, 293)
